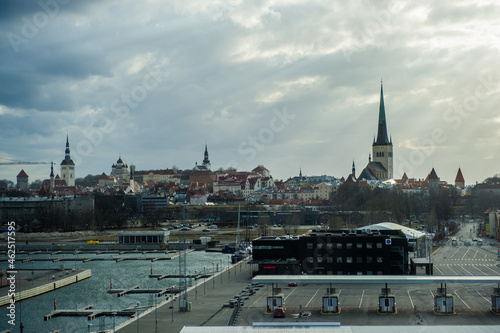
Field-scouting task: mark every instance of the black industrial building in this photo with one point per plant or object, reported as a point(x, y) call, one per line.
point(340, 252)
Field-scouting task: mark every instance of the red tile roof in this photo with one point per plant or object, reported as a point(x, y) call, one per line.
point(459, 178)
point(432, 175)
point(43, 191)
point(404, 178)
point(260, 168)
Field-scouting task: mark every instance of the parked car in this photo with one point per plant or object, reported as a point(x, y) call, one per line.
point(279, 312)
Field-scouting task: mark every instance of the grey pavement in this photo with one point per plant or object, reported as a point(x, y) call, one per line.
point(207, 299)
point(359, 304)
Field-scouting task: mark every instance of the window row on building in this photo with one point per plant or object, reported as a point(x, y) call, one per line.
point(331, 246)
point(334, 252)
point(143, 237)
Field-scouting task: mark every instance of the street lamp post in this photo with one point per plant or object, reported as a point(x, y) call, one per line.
point(21, 326)
point(137, 311)
point(204, 279)
point(228, 269)
point(221, 271)
point(213, 275)
point(114, 321)
point(428, 239)
point(172, 307)
point(155, 296)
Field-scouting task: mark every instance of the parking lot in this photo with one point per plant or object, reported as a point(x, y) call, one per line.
point(414, 303)
point(359, 305)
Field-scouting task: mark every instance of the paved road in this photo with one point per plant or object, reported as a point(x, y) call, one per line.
point(466, 260)
point(207, 304)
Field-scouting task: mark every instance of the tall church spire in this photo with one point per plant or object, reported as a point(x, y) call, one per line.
point(382, 138)
point(68, 166)
point(67, 158)
point(52, 180)
point(67, 145)
point(382, 151)
point(206, 160)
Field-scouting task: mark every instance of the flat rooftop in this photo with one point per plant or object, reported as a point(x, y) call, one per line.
point(372, 279)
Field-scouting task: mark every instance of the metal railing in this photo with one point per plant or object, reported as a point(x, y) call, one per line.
point(234, 314)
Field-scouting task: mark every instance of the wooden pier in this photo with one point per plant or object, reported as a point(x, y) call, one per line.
point(87, 259)
point(96, 252)
point(135, 290)
point(178, 253)
point(90, 313)
point(214, 249)
point(116, 259)
point(177, 276)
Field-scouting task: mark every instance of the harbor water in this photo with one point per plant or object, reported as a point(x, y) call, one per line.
point(123, 275)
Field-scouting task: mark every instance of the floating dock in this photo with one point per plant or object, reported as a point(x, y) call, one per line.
point(90, 313)
point(177, 276)
point(135, 290)
point(214, 249)
point(96, 252)
point(117, 259)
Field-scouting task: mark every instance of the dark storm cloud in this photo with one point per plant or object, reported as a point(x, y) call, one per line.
point(222, 69)
point(11, 10)
point(39, 61)
point(14, 9)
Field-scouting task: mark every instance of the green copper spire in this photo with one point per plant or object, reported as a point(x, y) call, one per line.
point(382, 138)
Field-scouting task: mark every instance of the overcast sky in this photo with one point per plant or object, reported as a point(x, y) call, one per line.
point(285, 84)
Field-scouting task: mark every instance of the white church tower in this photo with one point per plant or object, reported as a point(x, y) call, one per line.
point(68, 167)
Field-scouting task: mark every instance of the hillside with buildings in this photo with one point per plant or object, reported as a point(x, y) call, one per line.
point(126, 196)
